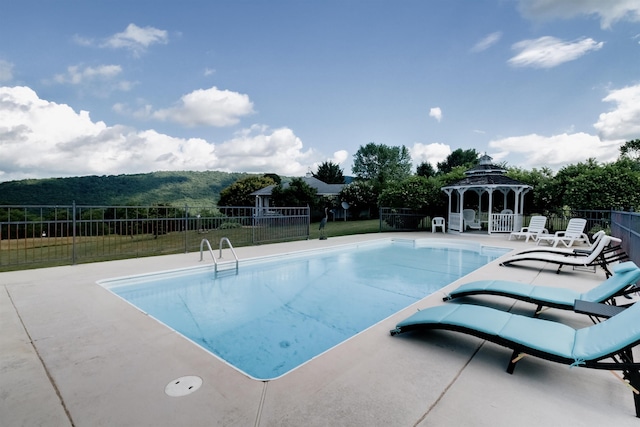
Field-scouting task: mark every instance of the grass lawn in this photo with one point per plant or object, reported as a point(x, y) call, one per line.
point(37, 252)
point(345, 228)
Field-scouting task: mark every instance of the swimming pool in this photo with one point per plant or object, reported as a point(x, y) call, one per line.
point(277, 313)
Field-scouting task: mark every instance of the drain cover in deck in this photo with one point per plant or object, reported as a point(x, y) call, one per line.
point(183, 386)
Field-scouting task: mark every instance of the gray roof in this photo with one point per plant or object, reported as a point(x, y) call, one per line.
point(489, 180)
point(486, 174)
point(323, 188)
point(266, 191)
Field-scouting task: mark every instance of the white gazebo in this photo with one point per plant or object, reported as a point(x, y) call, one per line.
point(486, 199)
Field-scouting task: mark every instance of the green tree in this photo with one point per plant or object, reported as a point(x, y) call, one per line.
point(380, 164)
point(361, 197)
point(631, 150)
point(330, 173)
point(297, 193)
point(540, 199)
point(238, 193)
point(416, 192)
point(425, 169)
point(565, 179)
point(273, 176)
point(609, 186)
point(465, 158)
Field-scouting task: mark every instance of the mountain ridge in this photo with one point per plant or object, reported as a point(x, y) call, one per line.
point(175, 188)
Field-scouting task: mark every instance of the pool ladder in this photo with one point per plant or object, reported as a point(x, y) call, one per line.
point(215, 262)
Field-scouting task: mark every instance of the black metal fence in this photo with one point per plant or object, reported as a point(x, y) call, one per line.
point(403, 219)
point(38, 236)
point(626, 226)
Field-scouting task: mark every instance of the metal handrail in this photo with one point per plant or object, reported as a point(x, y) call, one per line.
point(215, 261)
point(226, 239)
point(202, 242)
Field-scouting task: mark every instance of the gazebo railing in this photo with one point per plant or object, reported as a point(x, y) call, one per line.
point(500, 223)
point(454, 221)
point(505, 223)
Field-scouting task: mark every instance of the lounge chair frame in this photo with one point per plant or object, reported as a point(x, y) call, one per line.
point(581, 251)
point(603, 255)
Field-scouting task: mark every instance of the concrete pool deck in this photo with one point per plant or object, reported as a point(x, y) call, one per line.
point(73, 354)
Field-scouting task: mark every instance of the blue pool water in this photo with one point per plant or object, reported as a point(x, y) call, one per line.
point(275, 315)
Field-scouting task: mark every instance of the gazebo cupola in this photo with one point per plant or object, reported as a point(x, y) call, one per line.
point(486, 199)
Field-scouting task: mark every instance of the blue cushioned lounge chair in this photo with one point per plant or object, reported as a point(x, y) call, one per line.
point(606, 345)
point(625, 275)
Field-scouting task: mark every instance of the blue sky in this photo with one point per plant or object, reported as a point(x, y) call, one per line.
point(117, 87)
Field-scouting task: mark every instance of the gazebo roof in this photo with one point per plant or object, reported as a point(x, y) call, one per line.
point(486, 175)
point(487, 180)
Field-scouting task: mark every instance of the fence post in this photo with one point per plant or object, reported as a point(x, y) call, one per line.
point(73, 241)
point(186, 228)
point(254, 223)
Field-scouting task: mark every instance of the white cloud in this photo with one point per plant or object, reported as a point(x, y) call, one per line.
point(487, 42)
point(41, 139)
point(137, 39)
point(430, 153)
point(609, 11)
point(537, 151)
point(260, 149)
point(205, 107)
point(77, 75)
point(548, 52)
point(614, 127)
point(436, 113)
point(624, 121)
point(99, 80)
point(82, 41)
point(6, 71)
point(340, 156)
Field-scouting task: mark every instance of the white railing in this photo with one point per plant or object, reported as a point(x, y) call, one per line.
point(502, 223)
point(454, 221)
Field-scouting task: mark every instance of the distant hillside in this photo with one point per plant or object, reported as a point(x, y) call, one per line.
point(173, 188)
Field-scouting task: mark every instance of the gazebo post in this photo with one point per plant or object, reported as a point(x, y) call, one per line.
point(490, 212)
point(460, 208)
point(479, 192)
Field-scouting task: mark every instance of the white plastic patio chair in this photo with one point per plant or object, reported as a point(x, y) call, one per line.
point(535, 229)
point(469, 217)
point(436, 222)
point(574, 233)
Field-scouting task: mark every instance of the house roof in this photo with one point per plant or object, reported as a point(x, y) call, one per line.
point(323, 188)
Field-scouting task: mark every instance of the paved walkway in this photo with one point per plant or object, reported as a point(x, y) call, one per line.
point(71, 353)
